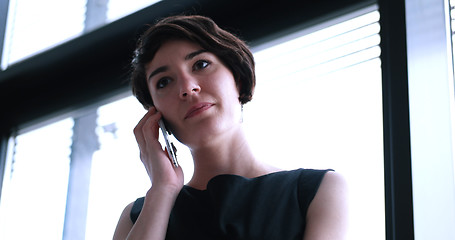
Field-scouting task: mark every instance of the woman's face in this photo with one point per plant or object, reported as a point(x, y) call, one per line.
point(195, 92)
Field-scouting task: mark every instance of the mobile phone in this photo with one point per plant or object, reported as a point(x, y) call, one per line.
point(169, 144)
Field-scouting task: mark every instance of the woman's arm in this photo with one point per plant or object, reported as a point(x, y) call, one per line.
point(167, 182)
point(153, 219)
point(124, 224)
point(327, 216)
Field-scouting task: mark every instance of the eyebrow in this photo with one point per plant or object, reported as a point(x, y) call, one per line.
point(158, 70)
point(165, 68)
point(194, 54)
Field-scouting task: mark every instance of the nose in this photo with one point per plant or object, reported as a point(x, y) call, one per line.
point(189, 86)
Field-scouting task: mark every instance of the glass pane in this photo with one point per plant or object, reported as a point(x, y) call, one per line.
point(452, 90)
point(34, 197)
point(320, 96)
point(452, 24)
point(117, 175)
point(34, 26)
point(29, 19)
point(118, 9)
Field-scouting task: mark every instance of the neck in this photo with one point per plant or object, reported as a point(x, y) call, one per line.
point(229, 155)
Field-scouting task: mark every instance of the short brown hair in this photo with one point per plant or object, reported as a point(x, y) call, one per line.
point(231, 50)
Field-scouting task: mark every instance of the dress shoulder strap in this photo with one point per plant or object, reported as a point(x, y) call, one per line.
point(136, 210)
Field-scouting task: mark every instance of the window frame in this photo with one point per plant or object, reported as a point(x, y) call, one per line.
point(431, 109)
point(397, 155)
point(4, 7)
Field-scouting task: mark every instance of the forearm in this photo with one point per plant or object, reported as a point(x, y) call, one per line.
point(153, 220)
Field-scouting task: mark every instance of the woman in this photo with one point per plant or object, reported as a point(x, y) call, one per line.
point(197, 76)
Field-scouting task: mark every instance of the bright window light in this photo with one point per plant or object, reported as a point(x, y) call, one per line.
point(318, 104)
point(34, 195)
point(117, 172)
point(35, 26)
point(118, 9)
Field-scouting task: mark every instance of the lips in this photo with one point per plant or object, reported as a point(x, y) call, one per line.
point(197, 109)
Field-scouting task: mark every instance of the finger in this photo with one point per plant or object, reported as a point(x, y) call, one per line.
point(138, 132)
point(146, 116)
point(150, 129)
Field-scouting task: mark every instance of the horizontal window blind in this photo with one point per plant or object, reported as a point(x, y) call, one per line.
point(325, 51)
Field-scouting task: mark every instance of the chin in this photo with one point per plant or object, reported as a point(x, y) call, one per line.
point(207, 134)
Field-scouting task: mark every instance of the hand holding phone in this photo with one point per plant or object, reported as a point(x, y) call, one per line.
point(169, 144)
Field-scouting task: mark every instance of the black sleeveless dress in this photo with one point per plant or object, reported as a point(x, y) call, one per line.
point(272, 206)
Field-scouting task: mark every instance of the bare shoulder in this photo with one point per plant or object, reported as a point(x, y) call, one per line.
point(333, 181)
point(124, 224)
point(327, 216)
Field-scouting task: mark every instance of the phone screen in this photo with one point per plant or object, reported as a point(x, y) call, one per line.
point(169, 144)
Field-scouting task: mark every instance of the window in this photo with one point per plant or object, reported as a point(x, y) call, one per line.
point(318, 104)
point(35, 186)
point(117, 173)
point(118, 9)
point(431, 111)
point(323, 86)
point(29, 19)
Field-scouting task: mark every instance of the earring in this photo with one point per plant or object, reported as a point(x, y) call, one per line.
point(241, 116)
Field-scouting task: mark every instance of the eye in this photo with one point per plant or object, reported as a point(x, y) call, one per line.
point(162, 82)
point(200, 64)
